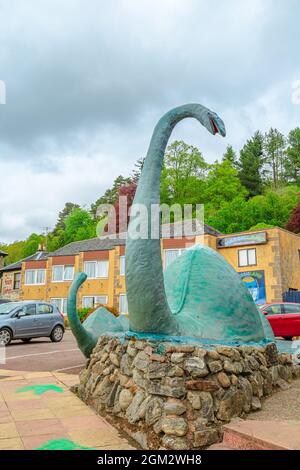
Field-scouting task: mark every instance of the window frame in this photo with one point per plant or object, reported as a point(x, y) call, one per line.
point(63, 266)
point(122, 265)
point(180, 250)
point(35, 271)
point(97, 270)
point(247, 254)
point(122, 296)
point(94, 303)
point(17, 281)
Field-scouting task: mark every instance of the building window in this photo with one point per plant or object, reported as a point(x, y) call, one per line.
point(62, 273)
point(34, 276)
point(17, 281)
point(61, 304)
point(96, 269)
point(247, 257)
point(93, 301)
point(171, 255)
point(122, 265)
point(123, 305)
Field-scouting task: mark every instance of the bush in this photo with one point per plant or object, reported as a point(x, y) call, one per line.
point(83, 313)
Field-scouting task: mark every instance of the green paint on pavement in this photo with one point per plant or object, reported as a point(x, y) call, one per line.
point(62, 444)
point(40, 389)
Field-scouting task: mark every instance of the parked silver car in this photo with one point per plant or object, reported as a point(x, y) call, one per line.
point(27, 320)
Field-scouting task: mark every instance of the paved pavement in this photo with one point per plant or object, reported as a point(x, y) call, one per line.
point(43, 355)
point(282, 406)
point(38, 411)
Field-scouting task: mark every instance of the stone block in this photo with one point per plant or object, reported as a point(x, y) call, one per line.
point(196, 366)
point(174, 407)
point(174, 426)
point(206, 437)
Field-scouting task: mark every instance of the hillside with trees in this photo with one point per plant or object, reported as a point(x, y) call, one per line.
point(257, 188)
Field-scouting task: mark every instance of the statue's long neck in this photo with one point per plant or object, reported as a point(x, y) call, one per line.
point(149, 311)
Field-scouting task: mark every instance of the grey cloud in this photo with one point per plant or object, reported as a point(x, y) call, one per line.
point(88, 80)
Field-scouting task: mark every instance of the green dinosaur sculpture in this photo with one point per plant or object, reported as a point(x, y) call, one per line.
point(201, 295)
point(190, 308)
point(150, 312)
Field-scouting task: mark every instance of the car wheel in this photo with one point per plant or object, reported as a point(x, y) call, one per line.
point(5, 337)
point(57, 334)
point(26, 340)
point(288, 338)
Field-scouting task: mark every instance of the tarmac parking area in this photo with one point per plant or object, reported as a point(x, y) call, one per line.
point(43, 355)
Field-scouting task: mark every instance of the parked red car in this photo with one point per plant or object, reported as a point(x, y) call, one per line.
point(284, 318)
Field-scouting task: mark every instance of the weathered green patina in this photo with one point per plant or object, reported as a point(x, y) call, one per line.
point(148, 307)
point(201, 296)
point(209, 300)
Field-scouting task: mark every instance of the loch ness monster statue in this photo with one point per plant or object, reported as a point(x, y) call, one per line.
point(200, 296)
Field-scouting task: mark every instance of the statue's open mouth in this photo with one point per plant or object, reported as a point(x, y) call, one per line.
point(214, 126)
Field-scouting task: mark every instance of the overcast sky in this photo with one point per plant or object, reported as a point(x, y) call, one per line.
point(87, 81)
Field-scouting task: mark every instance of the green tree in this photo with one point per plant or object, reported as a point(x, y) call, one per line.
point(183, 174)
point(292, 161)
point(231, 217)
point(222, 185)
point(32, 244)
point(67, 210)
point(230, 155)
point(270, 209)
point(14, 251)
point(79, 225)
point(274, 153)
point(250, 165)
point(138, 166)
point(111, 195)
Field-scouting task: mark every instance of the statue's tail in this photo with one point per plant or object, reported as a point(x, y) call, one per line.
point(85, 340)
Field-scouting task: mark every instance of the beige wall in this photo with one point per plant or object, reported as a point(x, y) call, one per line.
point(278, 258)
point(7, 286)
point(289, 247)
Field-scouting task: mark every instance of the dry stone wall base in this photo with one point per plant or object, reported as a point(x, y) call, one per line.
point(178, 396)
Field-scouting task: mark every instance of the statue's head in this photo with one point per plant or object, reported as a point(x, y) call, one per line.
point(214, 124)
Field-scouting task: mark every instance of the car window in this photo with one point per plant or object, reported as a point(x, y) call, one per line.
point(291, 308)
point(44, 308)
point(29, 309)
point(274, 309)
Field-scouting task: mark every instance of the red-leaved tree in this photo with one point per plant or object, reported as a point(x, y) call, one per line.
point(122, 208)
point(293, 224)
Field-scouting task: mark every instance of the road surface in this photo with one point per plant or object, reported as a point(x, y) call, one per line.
point(43, 355)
